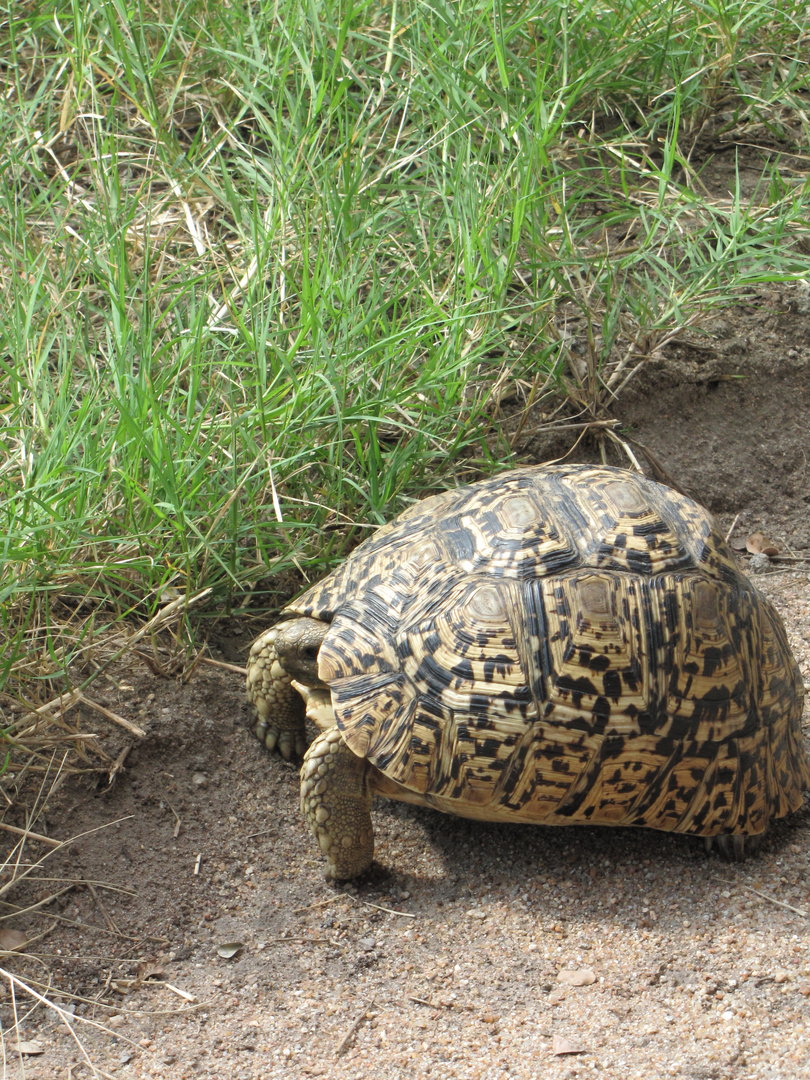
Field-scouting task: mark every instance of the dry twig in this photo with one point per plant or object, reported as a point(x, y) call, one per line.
point(773, 900)
point(347, 1038)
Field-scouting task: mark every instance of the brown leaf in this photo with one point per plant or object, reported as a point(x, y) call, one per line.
point(561, 1045)
point(11, 940)
point(578, 977)
point(759, 544)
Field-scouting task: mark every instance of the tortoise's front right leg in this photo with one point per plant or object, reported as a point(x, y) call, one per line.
point(336, 801)
point(279, 709)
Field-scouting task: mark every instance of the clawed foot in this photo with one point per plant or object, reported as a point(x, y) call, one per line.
point(279, 708)
point(289, 743)
point(734, 847)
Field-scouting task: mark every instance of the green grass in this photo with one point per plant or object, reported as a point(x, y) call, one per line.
point(270, 270)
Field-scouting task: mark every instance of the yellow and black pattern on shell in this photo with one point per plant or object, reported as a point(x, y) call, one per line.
point(565, 645)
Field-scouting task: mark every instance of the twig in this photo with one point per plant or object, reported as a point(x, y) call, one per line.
point(379, 907)
point(355, 899)
point(301, 941)
point(107, 919)
point(62, 844)
point(347, 1038)
point(661, 474)
point(780, 570)
point(64, 1016)
point(611, 434)
point(222, 665)
point(177, 822)
point(773, 900)
point(181, 605)
point(17, 909)
point(84, 926)
point(432, 1004)
point(118, 764)
point(31, 835)
point(125, 890)
point(733, 527)
point(64, 702)
point(49, 709)
point(320, 904)
point(133, 729)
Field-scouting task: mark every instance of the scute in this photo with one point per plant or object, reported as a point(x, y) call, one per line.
point(565, 645)
point(598, 673)
point(516, 535)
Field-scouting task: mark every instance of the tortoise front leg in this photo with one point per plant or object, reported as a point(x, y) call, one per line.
point(336, 801)
point(279, 708)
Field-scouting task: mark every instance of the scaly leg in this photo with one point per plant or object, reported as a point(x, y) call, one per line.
point(279, 708)
point(336, 801)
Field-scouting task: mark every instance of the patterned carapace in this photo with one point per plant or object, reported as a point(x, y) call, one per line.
point(564, 645)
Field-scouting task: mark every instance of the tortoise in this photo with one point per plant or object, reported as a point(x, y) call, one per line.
point(560, 645)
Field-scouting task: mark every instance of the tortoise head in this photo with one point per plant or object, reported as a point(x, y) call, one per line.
point(297, 645)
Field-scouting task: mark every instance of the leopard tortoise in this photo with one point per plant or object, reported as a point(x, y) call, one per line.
point(560, 645)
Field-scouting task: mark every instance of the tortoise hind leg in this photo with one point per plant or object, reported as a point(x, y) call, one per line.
point(279, 708)
point(734, 847)
point(336, 801)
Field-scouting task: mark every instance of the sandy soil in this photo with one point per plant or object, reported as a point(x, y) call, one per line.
point(450, 958)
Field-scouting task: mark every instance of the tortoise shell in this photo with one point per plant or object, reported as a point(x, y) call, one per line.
point(565, 645)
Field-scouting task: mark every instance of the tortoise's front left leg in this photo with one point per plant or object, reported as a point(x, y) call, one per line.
point(279, 708)
point(336, 801)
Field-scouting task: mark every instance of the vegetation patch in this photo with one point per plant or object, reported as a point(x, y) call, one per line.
point(269, 271)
